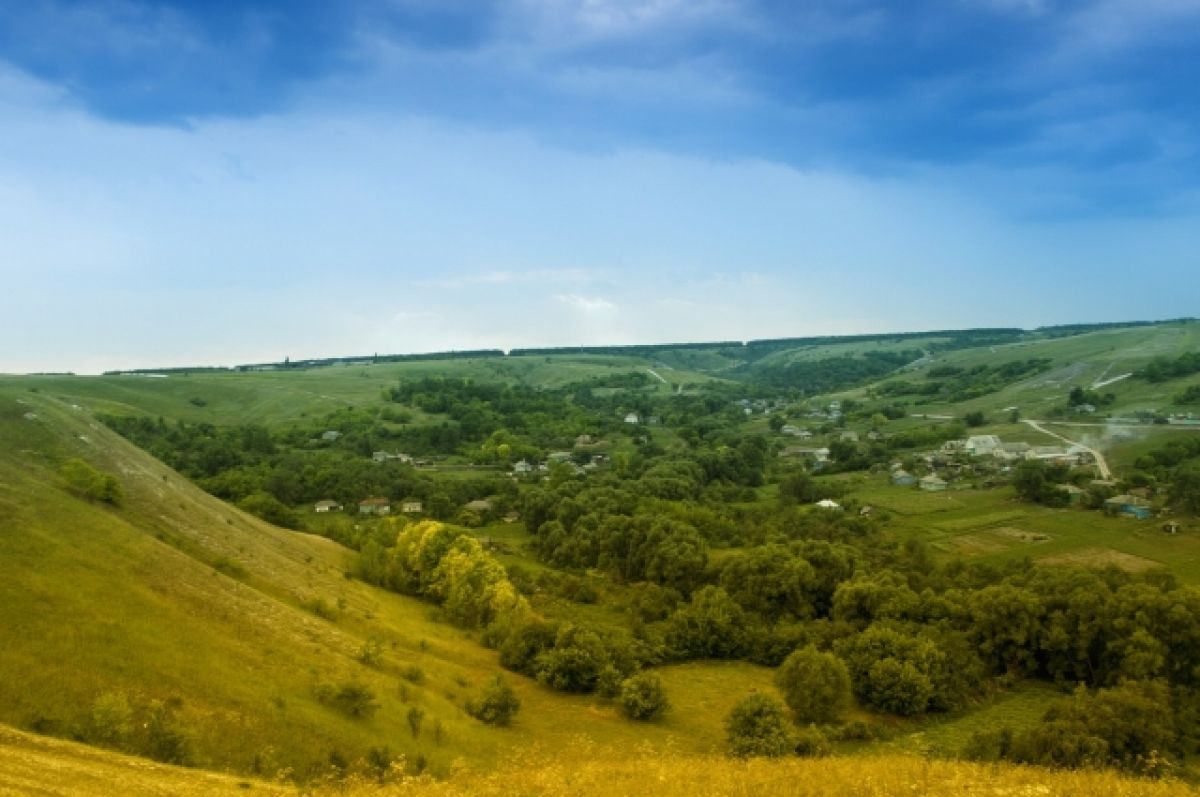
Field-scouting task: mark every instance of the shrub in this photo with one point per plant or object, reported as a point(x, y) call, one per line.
point(757, 727)
point(111, 721)
point(643, 697)
point(497, 705)
point(811, 742)
point(93, 484)
point(165, 739)
point(351, 698)
point(415, 716)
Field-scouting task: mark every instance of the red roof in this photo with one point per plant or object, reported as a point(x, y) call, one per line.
point(374, 502)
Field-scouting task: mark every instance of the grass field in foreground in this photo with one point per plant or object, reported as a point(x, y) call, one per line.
point(35, 765)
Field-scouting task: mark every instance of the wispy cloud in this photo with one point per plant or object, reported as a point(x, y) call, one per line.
point(586, 304)
point(550, 276)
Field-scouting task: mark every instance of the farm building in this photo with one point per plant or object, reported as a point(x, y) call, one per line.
point(1074, 494)
point(1129, 505)
point(933, 483)
point(374, 506)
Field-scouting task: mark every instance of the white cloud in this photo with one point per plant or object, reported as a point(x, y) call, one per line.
point(587, 304)
point(540, 276)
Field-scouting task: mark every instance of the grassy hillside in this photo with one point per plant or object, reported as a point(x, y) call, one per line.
point(31, 764)
point(176, 598)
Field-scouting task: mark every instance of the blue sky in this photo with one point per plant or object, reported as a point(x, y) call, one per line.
point(222, 182)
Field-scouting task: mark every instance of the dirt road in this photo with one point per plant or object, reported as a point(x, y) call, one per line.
point(1101, 463)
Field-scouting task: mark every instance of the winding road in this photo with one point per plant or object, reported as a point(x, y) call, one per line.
point(1101, 463)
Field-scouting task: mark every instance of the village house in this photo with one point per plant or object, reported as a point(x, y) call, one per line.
point(522, 467)
point(374, 506)
point(411, 507)
point(632, 418)
point(1009, 452)
point(330, 436)
point(981, 445)
point(788, 428)
point(1129, 505)
point(559, 456)
point(480, 505)
point(583, 441)
point(933, 483)
point(385, 456)
point(327, 506)
point(849, 436)
point(826, 503)
point(902, 478)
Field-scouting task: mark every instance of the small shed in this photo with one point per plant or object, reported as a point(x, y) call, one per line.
point(933, 483)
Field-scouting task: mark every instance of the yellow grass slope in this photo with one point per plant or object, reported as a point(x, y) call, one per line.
point(33, 765)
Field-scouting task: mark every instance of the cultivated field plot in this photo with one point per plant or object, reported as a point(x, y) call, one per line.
point(992, 525)
point(998, 540)
point(1101, 557)
point(907, 501)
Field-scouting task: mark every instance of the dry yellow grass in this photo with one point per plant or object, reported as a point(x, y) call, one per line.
point(33, 765)
point(685, 776)
point(38, 765)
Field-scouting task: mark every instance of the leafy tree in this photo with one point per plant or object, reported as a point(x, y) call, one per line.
point(1130, 726)
point(523, 645)
point(497, 705)
point(815, 685)
point(643, 696)
point(757, 727)
point(711, 626)
point(267, 507)
point(575, 662)
point(1185, 488)
point(771, 581)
